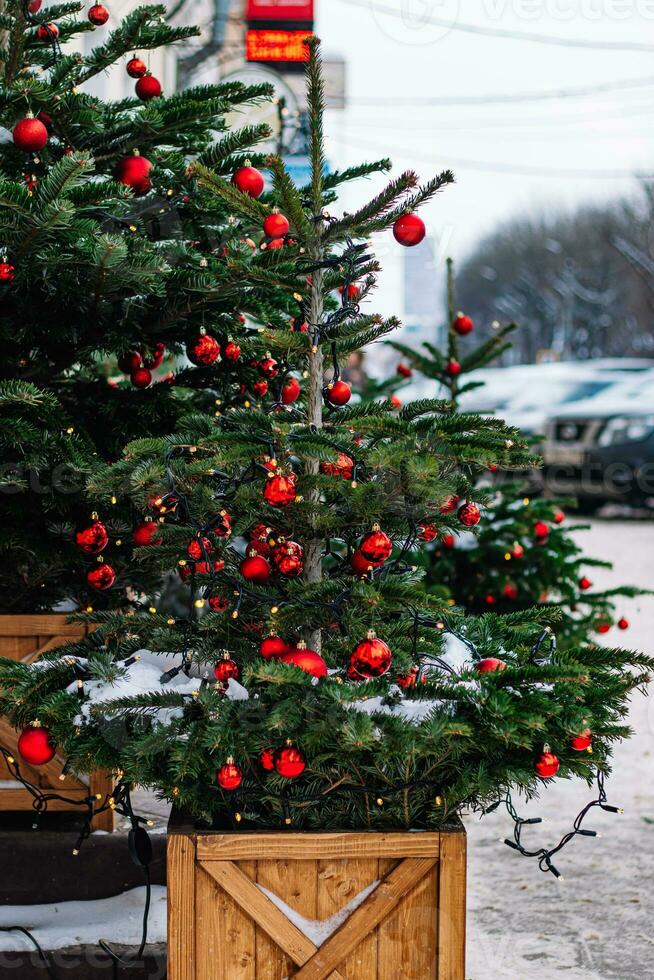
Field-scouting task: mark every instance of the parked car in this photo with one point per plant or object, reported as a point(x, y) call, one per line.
point(602, 448)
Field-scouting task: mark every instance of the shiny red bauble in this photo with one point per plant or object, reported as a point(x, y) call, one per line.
point(255, 568)
point(34, 6)
point(267, 760)
point(7, 272)
point(288, 559)
point(372, 657)
point(269, 367)
point(221, 525)
point(343, 467)
point(463, 325)
point(30, 135)
point(489, 664)
point(307, 660)
point(291, 391)
point(427, 532)
point(376, 546)
point(548, 765)
point(510, 591)
point(232, 351)
point(198, 549)
point(204, 350)
point(92, 539)
point(98, 15)
point(35, 746)
point(623, 624)
point(559, 517)
point(136, 67)
point(361, 565)
point(276, 225)
point(582, 742)
point(130, 361)
point(603, 626)
point(404, 371)
point(490, 599)
point(156, 355)
point(517, 551)
point(141, 377)
point(102, 577)
point(469, 515)
point(226, 669)
point(259, 539)
point(134, 172)
point(450, 505)
point(453, 369)
point(448, 541)
point(272, 647)
point(541, 531)
point(146, 534)
point(280, 490)
point(260, 388)
point(229, 776)
point(409, 230)
point(289, 762)
point(47, 32)
point(249, 180)
point(148, 87)
point(338, 393)
point(585, 584)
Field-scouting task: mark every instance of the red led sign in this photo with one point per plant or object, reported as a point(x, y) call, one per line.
point(279, 10)
point(277, 45)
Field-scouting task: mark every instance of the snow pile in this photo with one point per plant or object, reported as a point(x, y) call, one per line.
point(319, 931)
point(413, 711)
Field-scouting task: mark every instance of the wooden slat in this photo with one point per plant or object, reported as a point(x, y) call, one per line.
point(40, 625)
point(296, 883)
point(181, 907)
point(102, 784)
point(366, 918)
point(339, 882)
point(406, 941)
point(21, 799)
point(452, 907)
point(307, 847)
point(224, 934)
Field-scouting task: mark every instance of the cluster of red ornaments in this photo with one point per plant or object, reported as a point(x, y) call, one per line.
point(147, 86)
point(92, 540)
point(140, 367)
point(288, 761)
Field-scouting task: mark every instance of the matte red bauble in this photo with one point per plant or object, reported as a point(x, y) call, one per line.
point(102, 577)
point(463, 325)
point(232, 351)
point(307, 660)
point(226, 669)
point(148, 87)
point(30, 135)
point(343, 467)
point(141, 377)
point(372, 657)
point(623, 624)
point(404, 371)
point(7, 272)
point(268, 367)
point(288, 559)
point(376, 546)
point(489, 664)
point(510, 591)
point(409, 230)
point(93, 539)
point(272, 647)
point(582, 742)
point(47, 32)
point(361, 565)
point(338, 393)
point(276, 225)
point(255, 568)
point(229, 776)
point(35, 746)
point(548, 764)
point(289, 762)
point(249, 180)
point(199, 549)
point(146, 534)
point(204, 350)
point(98, 14)
point(136, 67)
point(453, 368)
point(585, 584)
point(291, 391)
point(541, 531)
point(469, 515)
point(427, 532)
point(267, 760)
point(130, 361)
point(134, 172)
point(280, 490)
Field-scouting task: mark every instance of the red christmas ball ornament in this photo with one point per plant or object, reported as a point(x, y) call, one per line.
point(582, 742)
point(259, 539)
point(352, 291)
point(35, 746)
point(134, 172)
point(362, 565)
point(30, 135)
point(130, 361)
point(448, 541)
point(288, 559)
point(343, 467)
point(404, 371)
point(453, 369)
point(272, 647)
point(450, 505)
point(585, 584)
point(280, 490)
point(409, 230)
point(372, 657)
point(249, 180)
point(34, 6)
point(146, 534)
point(7, 272)
point(141, 378)
point(102, 577)
point(407, 680)
point(274, 244)
point(307, 660)
point(338, 393)
point(490, 599)
point(136, 67)
point(221, 525)
point(376, 546)
point(199, 549)
point(204, 350)
point(469, 515)
point(267, 760)
point(98, 15)
point(226, 669)
point(517, 551)
point(541, 532)
point(559, 517)
point(395, 401)
point(260, 388)
point(47, 32)
point(156, 356)
point(603, 626)
point(510, 591)
point(148, 87)
point(92, 539)
point(218, 603)
point(463, 324)
point(489, 665)
point(231, 352)
point(623, 624)
point(548, 764)
point(229, 776)
point(289, 762)
point(427, 532)
point(291, 391)
point(268, 366)
point(276, 226)
point(255, 568)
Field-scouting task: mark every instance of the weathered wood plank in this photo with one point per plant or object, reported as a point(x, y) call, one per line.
point(40, 624)
point(307, 847)
point(452, 907)
point(339, 882)
point(407, 937)
point(181, 874)
point(225, 933)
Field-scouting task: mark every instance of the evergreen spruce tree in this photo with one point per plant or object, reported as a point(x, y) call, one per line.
point(318, 683)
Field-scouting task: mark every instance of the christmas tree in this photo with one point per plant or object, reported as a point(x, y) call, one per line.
point(114, 266)
point(317, 683)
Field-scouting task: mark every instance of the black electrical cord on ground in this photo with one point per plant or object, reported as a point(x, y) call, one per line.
point(32, 939)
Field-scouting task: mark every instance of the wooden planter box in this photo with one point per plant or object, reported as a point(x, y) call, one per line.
point(223, 926)
point(26, 638)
